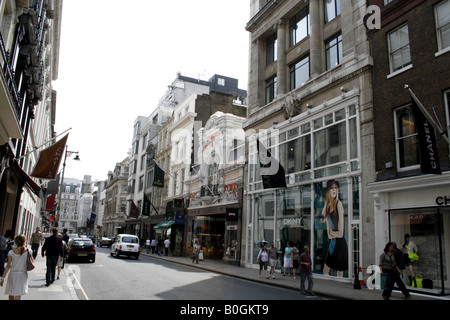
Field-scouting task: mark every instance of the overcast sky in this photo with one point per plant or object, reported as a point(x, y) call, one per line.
point(118, 57)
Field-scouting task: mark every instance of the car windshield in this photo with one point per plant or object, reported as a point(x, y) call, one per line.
point(130, 239)
point(86, 242)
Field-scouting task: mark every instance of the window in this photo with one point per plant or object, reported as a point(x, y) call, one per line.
point(271, 49)
point(407, 144)
point(332, 9)
point(399, 52)
point(386, 2)
point(221, 81)
point(271, 89)
point(299, 73)
point(447, 110)
point(333, 49)
point(299, 26)
point(442, 15)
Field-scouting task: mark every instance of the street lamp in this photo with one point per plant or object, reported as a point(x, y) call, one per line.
point(58, 209)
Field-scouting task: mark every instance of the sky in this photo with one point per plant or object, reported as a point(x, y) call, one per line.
point(118, 57)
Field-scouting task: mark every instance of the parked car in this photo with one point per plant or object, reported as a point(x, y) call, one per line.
point(105, 242)
point(81, 248)
point(126, 244)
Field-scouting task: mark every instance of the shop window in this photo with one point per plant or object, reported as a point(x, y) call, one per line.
point(428, 229)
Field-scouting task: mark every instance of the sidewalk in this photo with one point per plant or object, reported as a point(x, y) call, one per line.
point(64, 288)
point(61, 289)
point(328, 288)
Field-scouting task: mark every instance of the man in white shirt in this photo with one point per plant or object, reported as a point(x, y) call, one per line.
point(166, 246)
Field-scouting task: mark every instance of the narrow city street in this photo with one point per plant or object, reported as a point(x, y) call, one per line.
point(123, 278)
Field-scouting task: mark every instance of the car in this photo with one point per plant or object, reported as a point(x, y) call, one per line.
point(105, 242)
point(81, 248)
point(126, 244)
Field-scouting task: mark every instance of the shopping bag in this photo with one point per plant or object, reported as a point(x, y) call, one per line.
point(383, 281)
point(200, 256)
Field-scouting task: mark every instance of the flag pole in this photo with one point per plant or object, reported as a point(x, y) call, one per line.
point(36, 148)
point(428, 116)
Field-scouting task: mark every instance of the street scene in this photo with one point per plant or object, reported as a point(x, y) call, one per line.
point(261, 150)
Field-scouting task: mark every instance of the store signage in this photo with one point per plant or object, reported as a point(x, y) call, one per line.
point(292, 221)
point(443, 200)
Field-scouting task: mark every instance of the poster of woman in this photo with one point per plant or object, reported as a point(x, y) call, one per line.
point(333, 215)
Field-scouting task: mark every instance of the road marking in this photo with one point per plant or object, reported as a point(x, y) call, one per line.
point(78, 283)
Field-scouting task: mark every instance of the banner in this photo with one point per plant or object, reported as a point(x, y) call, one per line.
point(50, 204)
point(429, 158)
point(146, 209)
point(231, 214)
point(272, 172)
point(134, 211)
point(49, 160)
point(158, 177)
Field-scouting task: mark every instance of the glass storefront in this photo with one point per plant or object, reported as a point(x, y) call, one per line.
point(210, 231)
point(312, 151)
point(429, 230)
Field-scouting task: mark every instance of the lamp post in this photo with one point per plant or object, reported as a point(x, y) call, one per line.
point(77, 158)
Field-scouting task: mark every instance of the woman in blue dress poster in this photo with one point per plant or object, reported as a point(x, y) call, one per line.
point(333, 213)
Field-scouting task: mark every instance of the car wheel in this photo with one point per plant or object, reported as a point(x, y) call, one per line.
point(93, 260)
point(137, 256)
point(117, 253)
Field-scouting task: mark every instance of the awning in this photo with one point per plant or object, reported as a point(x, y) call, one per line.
point(25, 178)
point(164, 224)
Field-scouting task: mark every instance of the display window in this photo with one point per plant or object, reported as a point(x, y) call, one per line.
point(209, 231)
point(422, 236)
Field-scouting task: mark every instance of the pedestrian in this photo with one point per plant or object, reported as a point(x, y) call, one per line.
point(53, 249)
point(36, 241)
point(287, 263)
point(263, 260)
point(5, 246)
point(17, 284)
point(305, 271)
point(154, 244)
point(61, 259)
point(166, 247)
point(160, 245)
point(273, 258)
point(410, 256)
point(196, 252)
point(389, 268)
point(147, 245)
point(295, 256)
point(333, 213)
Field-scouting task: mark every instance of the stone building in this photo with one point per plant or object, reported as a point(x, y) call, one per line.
point(310, 103)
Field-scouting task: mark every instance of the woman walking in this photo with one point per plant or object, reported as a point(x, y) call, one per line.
point(263, 260)
point(17, 284)
point(287, 263)
point(389, 267)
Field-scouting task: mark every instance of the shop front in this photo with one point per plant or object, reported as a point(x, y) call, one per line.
point(218, 231)
point(416, 213)
point(313, 150)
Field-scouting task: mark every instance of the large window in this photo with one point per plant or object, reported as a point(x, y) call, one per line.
point(316, 148)
point(333, 48)
point(299, 26)
point(299, 73)
point(271, 49)
point(332, 9)
point(407, 144)
point(271, 89)
point(442, 15)
point(399, 51)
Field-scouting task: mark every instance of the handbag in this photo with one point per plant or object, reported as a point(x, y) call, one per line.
point(413, 256)
point(30, 264)
point(383, 281)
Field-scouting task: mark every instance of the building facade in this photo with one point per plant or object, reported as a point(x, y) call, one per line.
point(310, 104)
point(412, 47)
point(29, 45)
point(70, 194)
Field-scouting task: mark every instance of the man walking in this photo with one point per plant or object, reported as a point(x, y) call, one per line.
point(53, 248)
point(36, 241)
point(306, 272)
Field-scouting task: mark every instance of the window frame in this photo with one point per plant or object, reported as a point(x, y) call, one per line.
point(296, 66)
point(337, 10)
point(398, 139)
point(270, 89)
point(337, 49)
point(391, 52)
point(438, 28)
point(293, 26)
